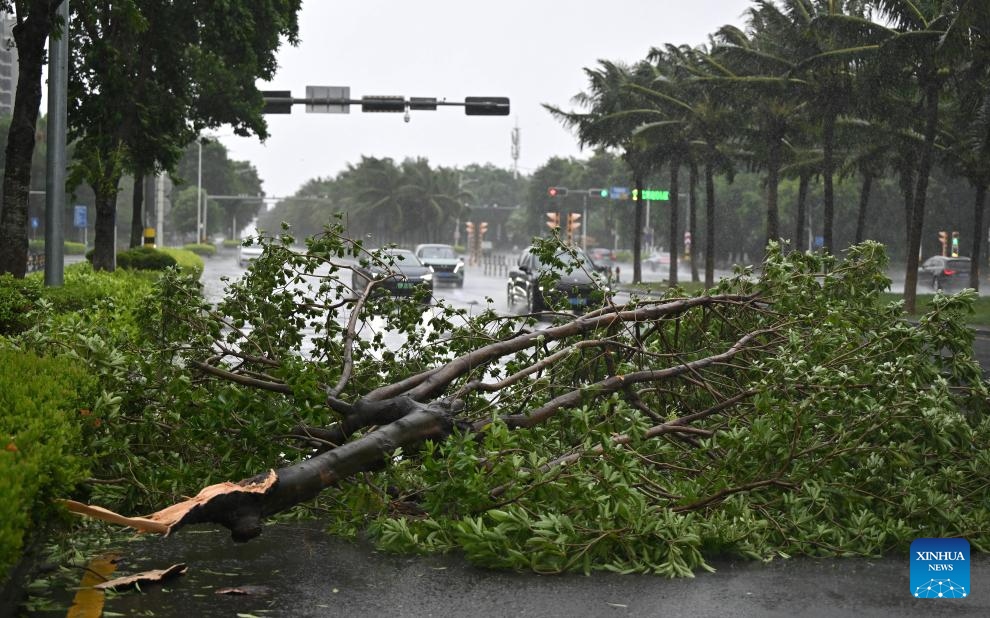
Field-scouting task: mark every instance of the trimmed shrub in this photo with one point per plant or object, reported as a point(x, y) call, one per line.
point(188, 262)
point(202, 249)
point(46, 405)
point(74, 248)
point(17, 298)
point(145, 258)
point(68, 247)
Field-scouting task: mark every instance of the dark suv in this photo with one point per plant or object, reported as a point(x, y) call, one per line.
point(945, 272)
point(576, 285)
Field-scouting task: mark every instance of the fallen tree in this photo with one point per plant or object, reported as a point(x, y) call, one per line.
point(794, 412)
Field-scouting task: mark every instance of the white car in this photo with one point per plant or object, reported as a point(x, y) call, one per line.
point(246, 254)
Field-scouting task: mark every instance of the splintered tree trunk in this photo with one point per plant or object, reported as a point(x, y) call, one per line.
point(408, 413)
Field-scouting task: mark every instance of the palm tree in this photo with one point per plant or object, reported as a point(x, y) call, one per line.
point(925, 44)
point(749, 70)
point(607, 124)
point(701, 119)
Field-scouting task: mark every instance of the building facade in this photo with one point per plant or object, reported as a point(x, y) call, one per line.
point(8, 64)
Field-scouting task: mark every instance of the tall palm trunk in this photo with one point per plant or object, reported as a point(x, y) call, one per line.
point(920, 195)
point(773, 179)
point(638, 233)
point(709, 227)
point(974, 268)
point(864, 202)
point(692, 249)
point(675, 165)
point(828, 168)
point(802, 212)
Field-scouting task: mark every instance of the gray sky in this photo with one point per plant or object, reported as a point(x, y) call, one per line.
point(531, 51)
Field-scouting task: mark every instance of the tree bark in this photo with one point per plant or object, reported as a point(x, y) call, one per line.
point(920, 195)
point(828, 167)
point(802, 213)
point(675, 170)
point(709, 227)
point(692, 252)
point(975, 257)
point(137, 211)
point(30, 35)
point(105, 230)
point(773, 179)
point(638, 234)
point(864, 202)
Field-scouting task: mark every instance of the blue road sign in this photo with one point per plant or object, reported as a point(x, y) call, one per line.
point(79, 216)
point(619, 193)
point(35, 223)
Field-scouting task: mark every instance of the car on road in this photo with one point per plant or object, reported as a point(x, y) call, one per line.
point(245, 254)
point(658, 259)
point(602, 255)
point(944, 273)
point(400, 272)
point(575, 284)
point(447, 266)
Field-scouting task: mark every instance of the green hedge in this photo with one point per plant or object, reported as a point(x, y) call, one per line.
point(203, 249)
point(188, 262)
point(46, 407)
point(68, 247)
point(145, 258)
point(17, 298)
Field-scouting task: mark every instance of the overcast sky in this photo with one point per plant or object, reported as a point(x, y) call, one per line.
point(531, 51)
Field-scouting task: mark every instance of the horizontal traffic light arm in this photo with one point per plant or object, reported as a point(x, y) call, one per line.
point(281, 102)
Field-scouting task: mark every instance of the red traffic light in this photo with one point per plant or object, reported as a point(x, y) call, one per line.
point(557, 191)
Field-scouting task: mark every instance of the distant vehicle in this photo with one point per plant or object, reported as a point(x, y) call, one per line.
point(401, 272)
point(945, 272)
point(601, 255)
point(580, 286)
point(447, 266)
point(657, 260)
point(246, 254)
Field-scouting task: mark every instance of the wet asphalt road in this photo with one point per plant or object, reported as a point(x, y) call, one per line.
point(297, 570)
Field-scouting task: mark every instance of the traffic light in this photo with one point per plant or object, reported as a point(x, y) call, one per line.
point(598, 192)
point(553, 220)
point(470, 230)
point(955, 244)
point(482, 228)
point(383, 104)
point(943, 237)
point(557, 191)
point(573, 223)
point(486, 106)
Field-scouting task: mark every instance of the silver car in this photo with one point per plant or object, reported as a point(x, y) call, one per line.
point(447, 266)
